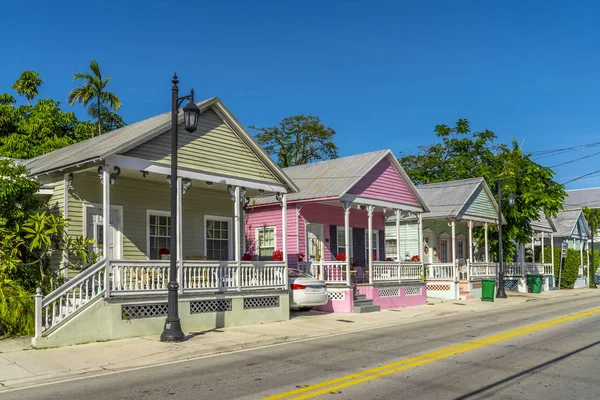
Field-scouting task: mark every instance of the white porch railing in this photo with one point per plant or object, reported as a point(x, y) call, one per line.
point(143, 277)
point(329, 271)
point(481, 269)
point(441, 271)
point(528, 268)
point(68, 299)
point(393, 271)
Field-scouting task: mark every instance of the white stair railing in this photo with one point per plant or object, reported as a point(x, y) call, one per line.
point(64, 302)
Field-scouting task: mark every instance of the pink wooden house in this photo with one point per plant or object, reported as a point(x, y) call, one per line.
point(341, 204)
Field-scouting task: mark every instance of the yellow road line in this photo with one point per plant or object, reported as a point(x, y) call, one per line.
point(333, 385)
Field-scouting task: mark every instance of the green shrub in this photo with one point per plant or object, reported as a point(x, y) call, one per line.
point(570, 269)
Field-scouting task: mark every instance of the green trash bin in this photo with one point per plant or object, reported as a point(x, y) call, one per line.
point(488, 289)
point(534, 283)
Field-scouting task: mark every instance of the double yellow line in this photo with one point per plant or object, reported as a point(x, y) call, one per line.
point(334, 385)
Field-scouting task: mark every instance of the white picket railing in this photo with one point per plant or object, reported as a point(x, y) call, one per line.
point(393, 271)
point(481, 270)
point(441, 271)
point(138, 276)
point(263, 274)
point(329, 271)
point(66, 300)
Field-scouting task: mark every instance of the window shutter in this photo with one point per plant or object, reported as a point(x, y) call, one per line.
point(382, 255)
point(333, 241)
point(358, 246)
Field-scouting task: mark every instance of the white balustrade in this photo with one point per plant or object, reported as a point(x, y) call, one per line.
point(393, 271)
point(441, 271)
point(548, 269)
point(513, 269)
point(482, 270)
point(263, 274)
point(66, 300)
point(329, 271)
point(137, 276)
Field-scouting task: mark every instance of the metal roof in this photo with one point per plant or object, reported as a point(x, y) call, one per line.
point(333, 178)
point(447, 199)
point(566, 222)
point(579, 198)
point(544, 224)
point(130, 136)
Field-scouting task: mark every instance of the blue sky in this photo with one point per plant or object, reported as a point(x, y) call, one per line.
point(381, 73)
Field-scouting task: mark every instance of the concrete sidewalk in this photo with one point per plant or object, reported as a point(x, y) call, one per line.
point(20, 365)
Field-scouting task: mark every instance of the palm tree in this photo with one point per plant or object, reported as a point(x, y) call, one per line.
point(93, 92)
point(27, 85)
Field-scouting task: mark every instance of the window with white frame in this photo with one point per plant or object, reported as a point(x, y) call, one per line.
point(159, 233)
point(460, 249)
point(444, 256)
point(390, 248)
point(375, 239)
point(265, 242)
point(217, 233)
point(342, 246)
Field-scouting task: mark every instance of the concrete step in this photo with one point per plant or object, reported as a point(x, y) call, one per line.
point(363, 302)
point(365, 309)
point(361, 297)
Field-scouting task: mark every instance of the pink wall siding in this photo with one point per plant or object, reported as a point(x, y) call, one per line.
point(332, 215)
point(271, 216)
point(311, 212)
point(384, 182)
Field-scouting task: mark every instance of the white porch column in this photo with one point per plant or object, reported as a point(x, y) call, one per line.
point(284, 231)
point(542, 240)
point(65, 255)
point(237, 225)
point(106, 226)
point(581, 252)
point(533, 248)
point(397, 213)
point(552, 252)
point(454, 242)
point(420, 223)
point(347, 205)
point(487, 251)
point(370, 210)
point(470, 241)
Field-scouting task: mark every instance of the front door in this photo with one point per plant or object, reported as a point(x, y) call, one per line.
point(427, 247)
point(95, 229)
point(314, 242)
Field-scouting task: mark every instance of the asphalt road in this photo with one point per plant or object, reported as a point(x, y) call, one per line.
point(556, 362)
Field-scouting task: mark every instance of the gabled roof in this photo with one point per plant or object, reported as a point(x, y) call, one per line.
point(544, 224)
point(566, 223)
point(451, 199)
point(130, 136)
point(334, 178)
point(579, 198)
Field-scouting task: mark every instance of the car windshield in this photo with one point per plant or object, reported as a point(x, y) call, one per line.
point(296, 273)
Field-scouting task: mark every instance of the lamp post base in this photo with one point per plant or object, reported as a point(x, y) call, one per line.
point(172, 331)
point(501, 293)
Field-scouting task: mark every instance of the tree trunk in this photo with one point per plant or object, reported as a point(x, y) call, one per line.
point(99, 118)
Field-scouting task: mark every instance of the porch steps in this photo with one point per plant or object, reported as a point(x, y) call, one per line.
point(362, 305)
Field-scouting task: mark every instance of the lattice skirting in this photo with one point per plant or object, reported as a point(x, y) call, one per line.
point(389, 292)
point(207, 306)
point(134, 311)
point(440, 287)
point(336, 295)
point(476, 285)
point(414, 291)
point(511, 285)
point(261, 302)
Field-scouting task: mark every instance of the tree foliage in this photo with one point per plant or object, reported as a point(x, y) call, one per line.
point(93, 94)
point(592, 215)
point(297, 140)
point(17, 189)
point(27, 85)
point(464, 154)
point(33, 129)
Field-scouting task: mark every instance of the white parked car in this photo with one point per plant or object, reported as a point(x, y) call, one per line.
point(306, 291)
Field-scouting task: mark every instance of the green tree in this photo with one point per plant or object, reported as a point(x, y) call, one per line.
point(463, 154)
point(27, 85)
point(93, 94)
point(17, 190)
point(297, 140)
point(592, 215)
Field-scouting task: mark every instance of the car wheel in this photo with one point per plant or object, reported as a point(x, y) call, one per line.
point(305, 308)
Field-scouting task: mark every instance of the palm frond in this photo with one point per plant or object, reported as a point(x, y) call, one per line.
point(111, 100)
